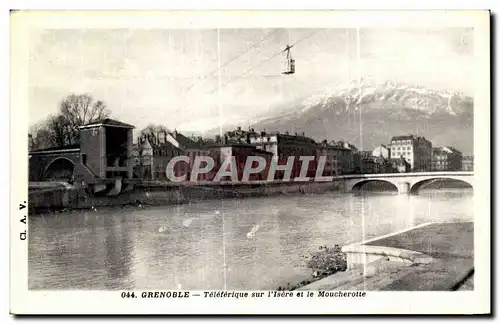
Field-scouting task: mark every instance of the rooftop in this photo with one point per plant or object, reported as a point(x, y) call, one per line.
point(280, 134)
point(402, 137)
point(450, 149)
point(236, 144)
point(185, 142)
point(229, 144)
point(157, 145)
point(408, 137)
point(107, 122)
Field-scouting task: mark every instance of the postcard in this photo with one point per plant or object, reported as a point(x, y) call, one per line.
point(250, 162)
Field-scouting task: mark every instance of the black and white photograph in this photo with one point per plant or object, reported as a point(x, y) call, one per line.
point(232, 161)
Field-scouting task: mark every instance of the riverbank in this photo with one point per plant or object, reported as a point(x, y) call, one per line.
point(57, 196)
point(429, 257)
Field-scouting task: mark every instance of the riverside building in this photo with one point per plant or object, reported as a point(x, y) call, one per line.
point(446, 158)
point(417, 151)
point(285, 145)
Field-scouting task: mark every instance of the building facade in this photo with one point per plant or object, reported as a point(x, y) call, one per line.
point(101, 161)
point(417, 151)
point(347, 153)
point(105, 148)
point(446, 158)
point(337, 158)
point(284, 145)
point(468, 163)
point(240, 152)
point(343, 155)
point(153, 152)
point(152, 155)
point(382, 151)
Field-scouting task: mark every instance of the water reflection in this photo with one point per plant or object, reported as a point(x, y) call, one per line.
point(118, 249)
point(238, 244)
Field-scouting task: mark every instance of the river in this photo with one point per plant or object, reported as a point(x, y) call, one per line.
point(241, 244)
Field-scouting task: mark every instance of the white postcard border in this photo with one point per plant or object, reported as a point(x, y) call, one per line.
point(24, 301)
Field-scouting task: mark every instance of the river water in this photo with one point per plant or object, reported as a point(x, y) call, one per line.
point(246, 244)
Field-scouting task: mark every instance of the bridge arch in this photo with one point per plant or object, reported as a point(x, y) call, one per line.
point(419, 184)
point(358, 186)
point(60, 168)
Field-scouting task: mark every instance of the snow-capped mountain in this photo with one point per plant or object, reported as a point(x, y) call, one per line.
point(369, 114)
point(390, 95)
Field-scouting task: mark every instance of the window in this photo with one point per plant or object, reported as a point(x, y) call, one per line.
point(84, 159)
point(408, 148)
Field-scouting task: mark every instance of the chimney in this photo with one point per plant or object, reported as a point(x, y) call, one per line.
point(287, 133)
point(239, 128)
point(303, 134)
point(296, 134)
point(217, 139)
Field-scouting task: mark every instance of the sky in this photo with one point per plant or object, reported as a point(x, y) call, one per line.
point(171, 76)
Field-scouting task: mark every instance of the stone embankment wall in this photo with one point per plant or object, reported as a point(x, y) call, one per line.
point(58, 196)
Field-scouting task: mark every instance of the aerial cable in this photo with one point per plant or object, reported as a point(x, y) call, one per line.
point(236, 57)
point(228, 62)
point(266, 60)
point(256, 66)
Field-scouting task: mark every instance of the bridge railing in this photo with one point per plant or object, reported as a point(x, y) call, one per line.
point(405, 174)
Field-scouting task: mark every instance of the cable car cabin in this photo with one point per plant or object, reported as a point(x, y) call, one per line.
point(289, 64)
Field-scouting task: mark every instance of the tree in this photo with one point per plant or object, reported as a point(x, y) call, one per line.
point(78, 110)
point(152, 131)
point(61, 133)
point(63, 128)
point(39, 136)
point(52, 132)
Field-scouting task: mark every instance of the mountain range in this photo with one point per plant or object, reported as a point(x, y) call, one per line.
point(368, 114)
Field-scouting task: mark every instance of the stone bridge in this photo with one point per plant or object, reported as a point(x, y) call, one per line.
point(58, 164)
point(407, 183)
point(44, 165)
